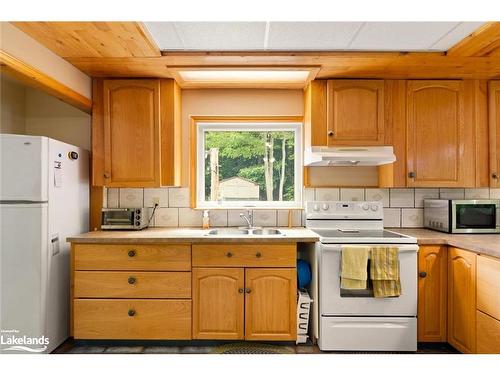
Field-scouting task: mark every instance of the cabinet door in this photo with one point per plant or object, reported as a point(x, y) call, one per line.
point(494, 108)
point(432, 287)
point(355, 112)
point(438, 144)
point(131, 133)
point(462, 299)
point(270, 304)
point(218, 303)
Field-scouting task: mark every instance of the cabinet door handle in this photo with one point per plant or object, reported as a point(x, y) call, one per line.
point(229, 254)
point(241, 290)
point(131, 280)
point(422, 274)
point(131, 312)
point(411, 174)
point(331, 133)
point(248, 290)
point(131, 253)
point(258, 254)
point(494, 175)
point(107, 175)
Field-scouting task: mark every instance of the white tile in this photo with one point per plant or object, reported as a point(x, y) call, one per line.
point(178, 197)
point(327, 194)
point(234, 219)
point(402, 198)
point(456, 35)
point(308, 194)
point(447, 193)
point(378, 195)
point(352, 194)
point(160, 193)
point(167, 217)
point(164, 35)
point(264, 218)
point(477, 193)
point(283, 218)
point(113, 197)
point(104, 197)
point(421, 194)
point(218, 218)
point(412, 218)
point(495, 193)
point(130, 198)
point(190, 218)
point(392, 217)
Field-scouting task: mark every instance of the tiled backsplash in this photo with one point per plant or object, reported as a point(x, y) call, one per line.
point(402, 207)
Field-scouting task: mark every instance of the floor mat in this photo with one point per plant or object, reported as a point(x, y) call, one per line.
point(252, 348)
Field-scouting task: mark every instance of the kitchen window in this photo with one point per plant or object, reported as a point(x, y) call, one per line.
point(248, 164)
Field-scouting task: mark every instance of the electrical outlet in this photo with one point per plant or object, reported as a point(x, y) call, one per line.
point(156, 200)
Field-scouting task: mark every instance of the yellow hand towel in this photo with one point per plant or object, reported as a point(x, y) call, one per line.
point(354, 267)
point(384, 272)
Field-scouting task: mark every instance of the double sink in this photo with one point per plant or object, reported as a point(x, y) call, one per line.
point(245, 232)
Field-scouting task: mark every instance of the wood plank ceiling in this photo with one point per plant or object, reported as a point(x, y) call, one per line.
point(125, 49)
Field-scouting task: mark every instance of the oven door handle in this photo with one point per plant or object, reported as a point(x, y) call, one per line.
point(401, 248)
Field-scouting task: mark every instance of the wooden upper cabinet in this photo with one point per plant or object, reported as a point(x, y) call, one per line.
point(270, 304)
point(135, 133)
point(462, 299)
point(494, 117)
point(355, 112)
point(218, 303)
point(432, 291)
point(439, 144)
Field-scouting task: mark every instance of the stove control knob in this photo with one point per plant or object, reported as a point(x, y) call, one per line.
point(374, 207)
point(325, 207)
point(316, 207)
point(365, 206)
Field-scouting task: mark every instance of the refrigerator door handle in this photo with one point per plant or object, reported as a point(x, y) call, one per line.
point(54, 240)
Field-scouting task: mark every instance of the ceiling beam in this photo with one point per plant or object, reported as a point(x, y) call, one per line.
point(483, 42)
point(92, 39)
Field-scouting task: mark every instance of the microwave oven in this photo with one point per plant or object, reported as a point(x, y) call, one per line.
point(124, 218)
point(462, 215)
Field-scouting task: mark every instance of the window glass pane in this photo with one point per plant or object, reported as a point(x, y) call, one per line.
point(249, 165)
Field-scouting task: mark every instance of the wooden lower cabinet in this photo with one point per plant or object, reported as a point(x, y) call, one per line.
point(239, 303)
point(270, 304)
point(432, 292)
point(462, 299)
point(218, 303)
point(488, 334)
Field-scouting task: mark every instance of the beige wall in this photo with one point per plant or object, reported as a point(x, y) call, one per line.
point(28, 50)
point(237, 102)
point(12, 106)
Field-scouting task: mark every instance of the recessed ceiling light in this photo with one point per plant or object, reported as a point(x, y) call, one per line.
point(226, 76)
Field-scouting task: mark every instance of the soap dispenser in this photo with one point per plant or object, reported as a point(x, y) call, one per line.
point(206, 220)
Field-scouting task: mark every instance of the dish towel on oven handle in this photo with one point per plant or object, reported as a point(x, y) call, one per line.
point(384, 272)
point(354, 266)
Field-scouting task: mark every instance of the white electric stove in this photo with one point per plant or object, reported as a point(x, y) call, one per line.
point(355, 320)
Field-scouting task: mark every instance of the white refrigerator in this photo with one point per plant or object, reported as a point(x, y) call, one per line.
point(44, 198)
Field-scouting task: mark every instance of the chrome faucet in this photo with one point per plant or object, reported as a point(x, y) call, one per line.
point(248, 218)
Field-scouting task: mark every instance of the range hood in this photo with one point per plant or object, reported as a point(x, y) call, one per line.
point(325, 156)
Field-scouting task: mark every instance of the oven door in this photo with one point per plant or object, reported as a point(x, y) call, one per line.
point(335, 301)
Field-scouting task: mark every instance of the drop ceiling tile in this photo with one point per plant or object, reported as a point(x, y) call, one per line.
point(400, 36)
point(221, 36)
point(311, 35)
point(165, 35)
point(462, 30)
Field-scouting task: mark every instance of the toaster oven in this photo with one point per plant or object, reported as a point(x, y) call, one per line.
point(124, 218)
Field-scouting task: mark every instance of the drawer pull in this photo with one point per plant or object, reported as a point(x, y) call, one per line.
point(258, 255)
point(229, 254)
point(131, 253)
point(131, 280)
point(131, 312)
point(422, 274)
point(241, 290)
point(248, 290)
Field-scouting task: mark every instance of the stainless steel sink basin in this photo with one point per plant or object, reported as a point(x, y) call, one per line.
point(266, 232)
point(244, 232)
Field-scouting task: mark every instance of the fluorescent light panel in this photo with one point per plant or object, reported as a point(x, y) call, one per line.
point(231, 76)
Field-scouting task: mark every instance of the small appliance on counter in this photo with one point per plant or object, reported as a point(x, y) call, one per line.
point(462, 215)
point(124, 218)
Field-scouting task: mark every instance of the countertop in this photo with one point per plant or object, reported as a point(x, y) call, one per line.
point(487, 244)
point(176, 235)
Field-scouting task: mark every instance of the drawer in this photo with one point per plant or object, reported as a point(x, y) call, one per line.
point(120, 284)
point(132, 319)
point(488, 334)
point(488, 286)
point(244, 255)
point(133, 257)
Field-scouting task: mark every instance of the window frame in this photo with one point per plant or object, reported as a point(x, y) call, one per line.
point(200, 126)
